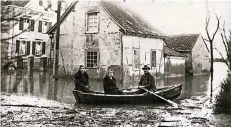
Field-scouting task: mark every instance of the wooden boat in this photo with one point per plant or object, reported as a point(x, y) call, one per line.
point(168, 92)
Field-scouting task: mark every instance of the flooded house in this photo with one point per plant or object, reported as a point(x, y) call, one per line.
point(25, 25)
point(197, 52)
point(174, 63)
point(102, 35)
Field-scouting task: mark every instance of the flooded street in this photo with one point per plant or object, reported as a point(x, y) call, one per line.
point(32, 99)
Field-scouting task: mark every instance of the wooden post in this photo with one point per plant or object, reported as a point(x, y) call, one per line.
point(51, 48)
point(56, 47)
point(30, 62)
point(122, 58)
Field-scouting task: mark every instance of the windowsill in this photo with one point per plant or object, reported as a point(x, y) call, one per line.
point(92, 32)
point(153, 68)
point(22, 55)
point(92, 67)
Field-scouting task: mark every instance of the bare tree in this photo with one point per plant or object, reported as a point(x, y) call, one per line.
point(210, 39)
point(227, 44)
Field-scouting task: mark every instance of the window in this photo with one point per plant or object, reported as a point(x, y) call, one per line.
point(92, 58)
point(38, 48)
point(41, 2)
point(49, 3)
point(153, 58)
point(92, 22)
point(26, 24)
point(44, 26)
point(136, 59)
point(22, 47)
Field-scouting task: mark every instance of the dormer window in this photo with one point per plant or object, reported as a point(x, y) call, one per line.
point(92, 24)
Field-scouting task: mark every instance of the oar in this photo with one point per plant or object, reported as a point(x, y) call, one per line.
point(169, 101)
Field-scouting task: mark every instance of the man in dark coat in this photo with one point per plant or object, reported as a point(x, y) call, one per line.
point(81, 80)
point(109, 84)
point(147, 81)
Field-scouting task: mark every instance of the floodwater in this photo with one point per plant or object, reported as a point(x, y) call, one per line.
point(35, 88)
point(41, 84)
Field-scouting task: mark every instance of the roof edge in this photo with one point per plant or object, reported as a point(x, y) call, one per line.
point(64, 15)
point(111, 16)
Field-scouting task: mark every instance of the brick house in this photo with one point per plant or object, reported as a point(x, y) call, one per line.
point(102, 35)
point(192, 45)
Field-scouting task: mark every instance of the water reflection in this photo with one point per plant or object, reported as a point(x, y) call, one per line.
point(41, 84)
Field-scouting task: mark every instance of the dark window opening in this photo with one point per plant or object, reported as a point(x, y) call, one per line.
point(92, 59)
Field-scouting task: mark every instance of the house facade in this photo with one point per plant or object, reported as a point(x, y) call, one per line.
point(193, 46)
point(26, 25)
point(102, 35)
point(174, 63)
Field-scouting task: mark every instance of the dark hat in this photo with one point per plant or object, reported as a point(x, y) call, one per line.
point(146, 67)
point(81, 66)
point(110, 70)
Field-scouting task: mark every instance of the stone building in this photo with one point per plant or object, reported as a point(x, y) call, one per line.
point(102, 35)
point(192, 45)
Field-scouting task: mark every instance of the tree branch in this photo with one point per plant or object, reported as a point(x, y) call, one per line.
point(207, 19)
point(223, 58)
point(218, 25)
point(226, 40)
point(205, 43)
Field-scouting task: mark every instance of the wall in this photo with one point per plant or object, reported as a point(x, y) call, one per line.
point(174, 66)
point(74, 42)
point(200, 57)
point(145, 45)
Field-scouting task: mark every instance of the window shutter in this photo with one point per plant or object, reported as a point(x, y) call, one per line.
point(32, 25)
point(28, 48)
point(49, 25)
point(153, 59)
point(21, 24)
point(40, 26)
point(17, 46)
point(43, 47)
point(33, 48)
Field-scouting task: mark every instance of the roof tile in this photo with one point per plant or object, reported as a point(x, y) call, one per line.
point(184, 42)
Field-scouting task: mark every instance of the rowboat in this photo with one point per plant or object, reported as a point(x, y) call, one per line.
point(168, 92)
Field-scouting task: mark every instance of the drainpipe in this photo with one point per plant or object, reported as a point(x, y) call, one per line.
point(122, 57)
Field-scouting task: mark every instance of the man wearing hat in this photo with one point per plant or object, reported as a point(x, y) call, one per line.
point(81, 80)
point(109, 84)
point(147, 81)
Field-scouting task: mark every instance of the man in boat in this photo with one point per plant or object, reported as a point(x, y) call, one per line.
point(81, 80)
point(109, 84)
point(147, 81)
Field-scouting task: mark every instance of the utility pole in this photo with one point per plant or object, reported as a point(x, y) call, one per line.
point(56, 45)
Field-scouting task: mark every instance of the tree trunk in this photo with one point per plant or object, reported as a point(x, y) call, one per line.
point(211, 69)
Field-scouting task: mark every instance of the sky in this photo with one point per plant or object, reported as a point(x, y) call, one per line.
point(184, 16)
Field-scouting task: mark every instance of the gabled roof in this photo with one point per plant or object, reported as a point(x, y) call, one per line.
point(21, 3)
point(128, 22)
point(64, 15)
point(184, 42)
point(170, 52)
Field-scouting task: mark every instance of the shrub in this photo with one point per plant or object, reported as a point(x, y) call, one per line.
point(223, 99)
